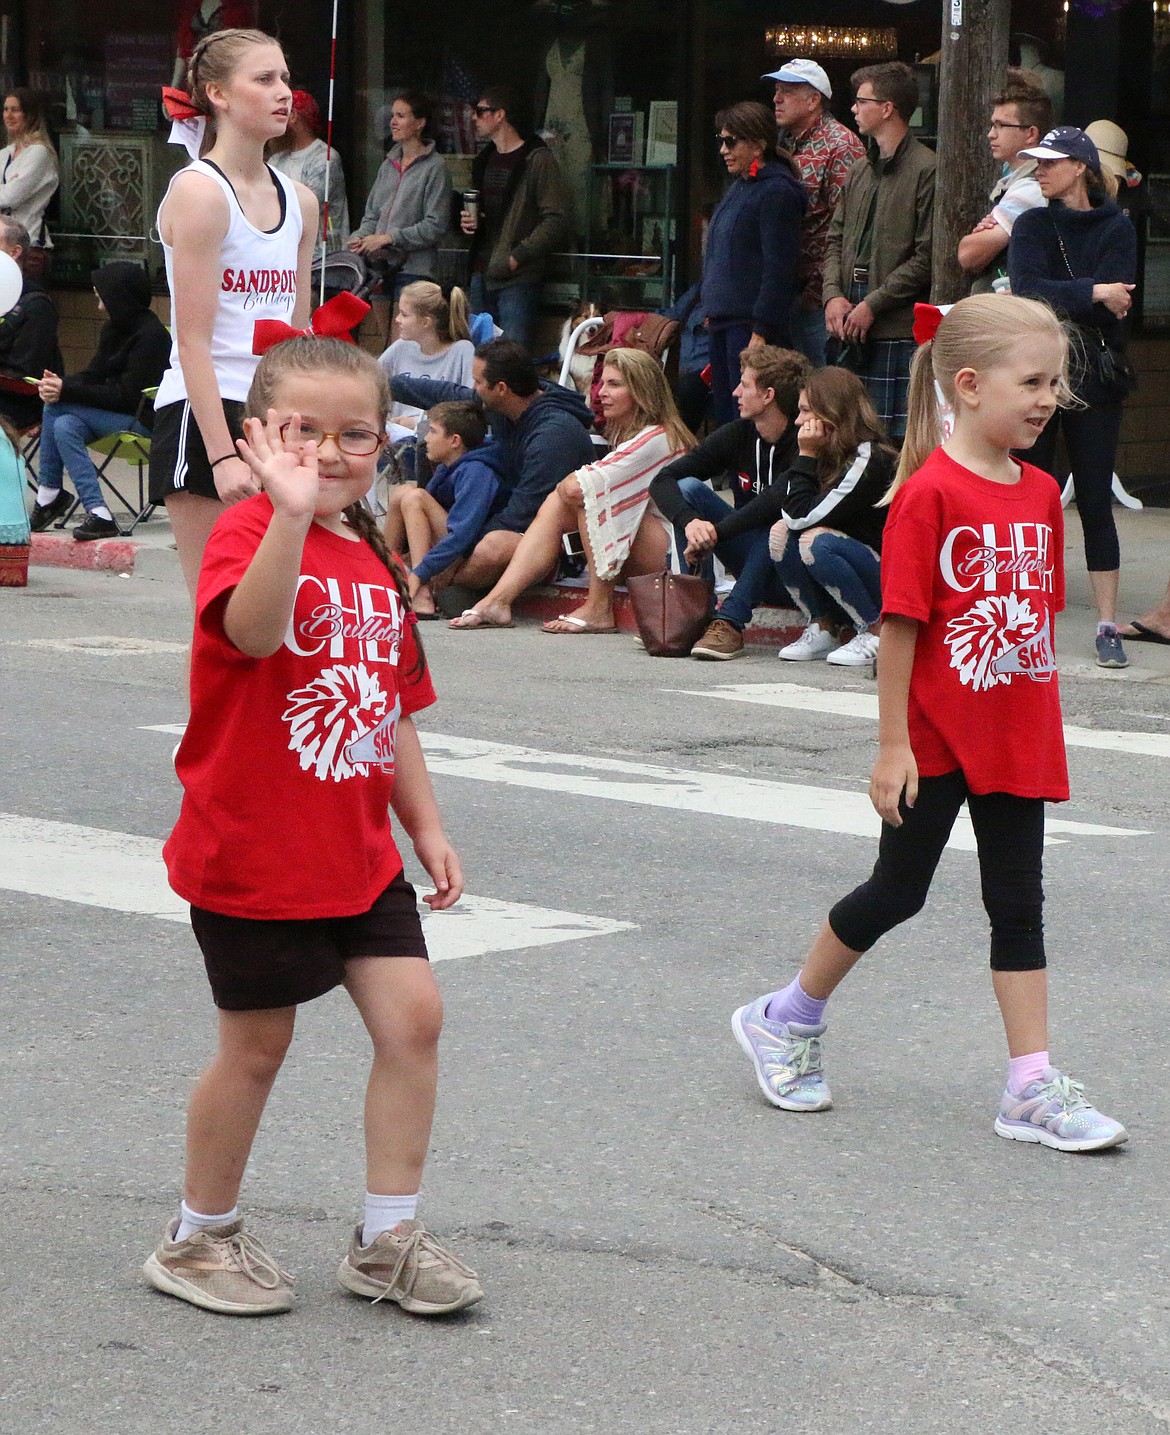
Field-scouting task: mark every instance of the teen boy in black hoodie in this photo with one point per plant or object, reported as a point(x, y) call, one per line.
point(132, 354)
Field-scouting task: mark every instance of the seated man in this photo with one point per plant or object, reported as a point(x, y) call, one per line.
point(28, 337)
point(103, 398)
point(758, 449)
point(540, 435)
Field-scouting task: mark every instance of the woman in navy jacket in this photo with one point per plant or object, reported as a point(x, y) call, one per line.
point(753, 244)
point(1080, 255)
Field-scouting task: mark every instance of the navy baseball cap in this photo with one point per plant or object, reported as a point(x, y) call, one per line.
point(1066, 142)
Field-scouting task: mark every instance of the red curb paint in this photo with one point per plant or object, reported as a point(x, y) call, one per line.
point(111, 555)
point(770, 627)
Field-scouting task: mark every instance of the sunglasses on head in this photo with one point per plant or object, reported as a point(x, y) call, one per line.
point(486, 109)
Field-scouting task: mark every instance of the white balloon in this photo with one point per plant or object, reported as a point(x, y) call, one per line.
point(11, 282)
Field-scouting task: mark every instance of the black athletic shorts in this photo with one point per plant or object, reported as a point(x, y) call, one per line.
point(179, 463)
point(253, 964)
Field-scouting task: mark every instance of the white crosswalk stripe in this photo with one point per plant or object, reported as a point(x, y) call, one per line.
point(121, 872)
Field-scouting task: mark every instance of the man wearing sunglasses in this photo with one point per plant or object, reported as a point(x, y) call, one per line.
point(523, 215)
point(1021, 114)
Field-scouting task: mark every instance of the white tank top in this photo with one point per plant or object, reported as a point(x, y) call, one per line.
point(258, 280)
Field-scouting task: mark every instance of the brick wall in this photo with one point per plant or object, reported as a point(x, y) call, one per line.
point(81, 323)
point(1145, 430)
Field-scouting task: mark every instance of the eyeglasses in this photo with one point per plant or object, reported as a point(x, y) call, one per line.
point(486, 109)
point(867, 100)
point(1006, 125)
point(358, 443)
point(728, 141)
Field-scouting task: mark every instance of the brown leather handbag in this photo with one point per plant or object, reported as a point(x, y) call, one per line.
point(672, 611)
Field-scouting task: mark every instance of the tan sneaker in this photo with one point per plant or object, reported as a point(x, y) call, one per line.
point(409, 1266)
point(721, 641)
point(220, 1268)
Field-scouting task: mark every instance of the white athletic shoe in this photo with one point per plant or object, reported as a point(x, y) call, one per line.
point(859, 652)
point(815, 642)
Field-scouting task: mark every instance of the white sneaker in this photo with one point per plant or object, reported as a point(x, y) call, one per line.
point(813, 643)
point(859, 652)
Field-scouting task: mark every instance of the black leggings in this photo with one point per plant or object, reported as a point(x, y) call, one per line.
point(1009, 834)
point(1090, 435)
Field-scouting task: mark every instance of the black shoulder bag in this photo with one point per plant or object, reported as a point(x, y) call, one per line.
point(1101, 373)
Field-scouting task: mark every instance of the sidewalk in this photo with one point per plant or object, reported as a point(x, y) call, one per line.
point(1145, 558)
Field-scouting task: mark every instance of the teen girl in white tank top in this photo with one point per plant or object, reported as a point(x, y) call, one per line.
point(258, 280)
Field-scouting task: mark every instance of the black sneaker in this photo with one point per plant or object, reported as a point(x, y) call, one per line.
point(91, 527)
point(44, 513)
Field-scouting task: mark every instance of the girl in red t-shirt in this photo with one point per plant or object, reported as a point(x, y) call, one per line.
point(969, 709)
point(305, 670)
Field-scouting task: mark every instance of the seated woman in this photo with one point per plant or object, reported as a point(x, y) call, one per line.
point(434, 343)
point(827, 542)
point(607, 502)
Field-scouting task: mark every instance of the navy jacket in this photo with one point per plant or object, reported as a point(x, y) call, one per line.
point(753, 252)
point(548, 442)
point(1101, 244)
point(467, 489)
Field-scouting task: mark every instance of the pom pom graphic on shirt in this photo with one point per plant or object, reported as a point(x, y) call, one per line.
point(339, 724)
point(1000, 638)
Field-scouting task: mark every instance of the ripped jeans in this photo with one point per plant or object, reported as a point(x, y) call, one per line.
point(830, 573)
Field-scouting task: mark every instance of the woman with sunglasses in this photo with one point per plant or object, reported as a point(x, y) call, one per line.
point(753, 247)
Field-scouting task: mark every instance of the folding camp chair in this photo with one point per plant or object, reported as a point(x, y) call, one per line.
point(132, 448)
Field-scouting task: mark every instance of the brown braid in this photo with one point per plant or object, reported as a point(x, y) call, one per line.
point(361, 520)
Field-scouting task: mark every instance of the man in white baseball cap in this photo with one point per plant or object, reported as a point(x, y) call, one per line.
point(824, 151)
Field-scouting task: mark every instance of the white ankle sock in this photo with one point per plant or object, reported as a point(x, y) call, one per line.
point(45, 495)
point(384, 1212)
point(191, 1221)
point(101, 511)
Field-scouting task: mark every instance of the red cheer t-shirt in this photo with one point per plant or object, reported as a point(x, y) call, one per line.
point(980, 566)
point(287, 763)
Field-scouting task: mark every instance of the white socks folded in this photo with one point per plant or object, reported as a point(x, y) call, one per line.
point(382, 1214)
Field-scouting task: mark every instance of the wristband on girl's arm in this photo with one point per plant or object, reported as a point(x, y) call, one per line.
point(223, 458)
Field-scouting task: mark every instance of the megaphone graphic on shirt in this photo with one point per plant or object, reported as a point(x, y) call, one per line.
point(377, 745)
point(1033, 658)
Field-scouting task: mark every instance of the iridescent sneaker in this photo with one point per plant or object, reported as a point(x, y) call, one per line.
point(409, 1266)
point(1053, 1111)
point(786, 1056)
point(221, 1268)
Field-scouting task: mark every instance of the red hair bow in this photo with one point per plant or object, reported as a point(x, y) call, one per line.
point(333, 320)
point(927, 318)
point(177, 105)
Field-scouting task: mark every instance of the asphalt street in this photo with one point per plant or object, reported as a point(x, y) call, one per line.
point(662, 1251)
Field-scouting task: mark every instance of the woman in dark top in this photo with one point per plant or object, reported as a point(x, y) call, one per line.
point(828, 535)
point(753, 247)
point(1080, 255)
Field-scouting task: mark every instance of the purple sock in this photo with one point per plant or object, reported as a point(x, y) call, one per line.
point(795, 1004)
point(1022, 1069)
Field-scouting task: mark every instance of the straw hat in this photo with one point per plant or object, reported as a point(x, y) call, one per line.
point(1112, 143)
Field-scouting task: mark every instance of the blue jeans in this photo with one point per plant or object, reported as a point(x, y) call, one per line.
point(834, 573)
point(513, 309)
point(809, 334)
point(746, 555)
point(726, 347)
point(65, 431)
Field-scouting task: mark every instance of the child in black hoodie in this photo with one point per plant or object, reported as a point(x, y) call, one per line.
point(103, 398)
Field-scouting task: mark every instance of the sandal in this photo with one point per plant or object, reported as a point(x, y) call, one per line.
point(576, 625)
point(472, 618)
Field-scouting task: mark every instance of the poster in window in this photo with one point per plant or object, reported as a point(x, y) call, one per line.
point(662, 133)
point(626, 138)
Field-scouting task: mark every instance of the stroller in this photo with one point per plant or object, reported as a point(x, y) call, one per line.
point(345, 273)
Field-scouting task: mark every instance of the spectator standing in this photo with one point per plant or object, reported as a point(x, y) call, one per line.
point(409, 208)
point(103, 398)
point(753, 247)
point(1021, 113)
point(758, 448)
point(28, 173)
point(303, 155)
point(28, 336)
point(523, 216)
point(877, 263)
point(1080, 255)
point(824, 151)
point(540, 432)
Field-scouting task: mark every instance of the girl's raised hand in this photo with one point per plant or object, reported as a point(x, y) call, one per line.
point(894, 772)
point(286, 471)
point(810, 436)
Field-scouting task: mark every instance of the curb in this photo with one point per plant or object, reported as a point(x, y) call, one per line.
point(111, 555)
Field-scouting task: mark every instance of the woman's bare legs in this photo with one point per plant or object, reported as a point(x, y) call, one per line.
point(192, 518)
point(535, 555)
point(1156, 620)
point(228, 1102)
point(647, 555)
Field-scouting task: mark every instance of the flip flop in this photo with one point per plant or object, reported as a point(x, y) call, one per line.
point(576, 625)
point(481, 621)
point(1142, 634)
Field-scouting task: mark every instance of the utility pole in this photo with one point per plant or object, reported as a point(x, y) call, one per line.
point(973, 57)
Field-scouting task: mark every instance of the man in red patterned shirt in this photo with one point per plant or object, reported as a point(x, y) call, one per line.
point(824, 151)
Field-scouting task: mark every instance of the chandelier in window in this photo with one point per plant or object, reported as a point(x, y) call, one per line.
point(834, 42)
